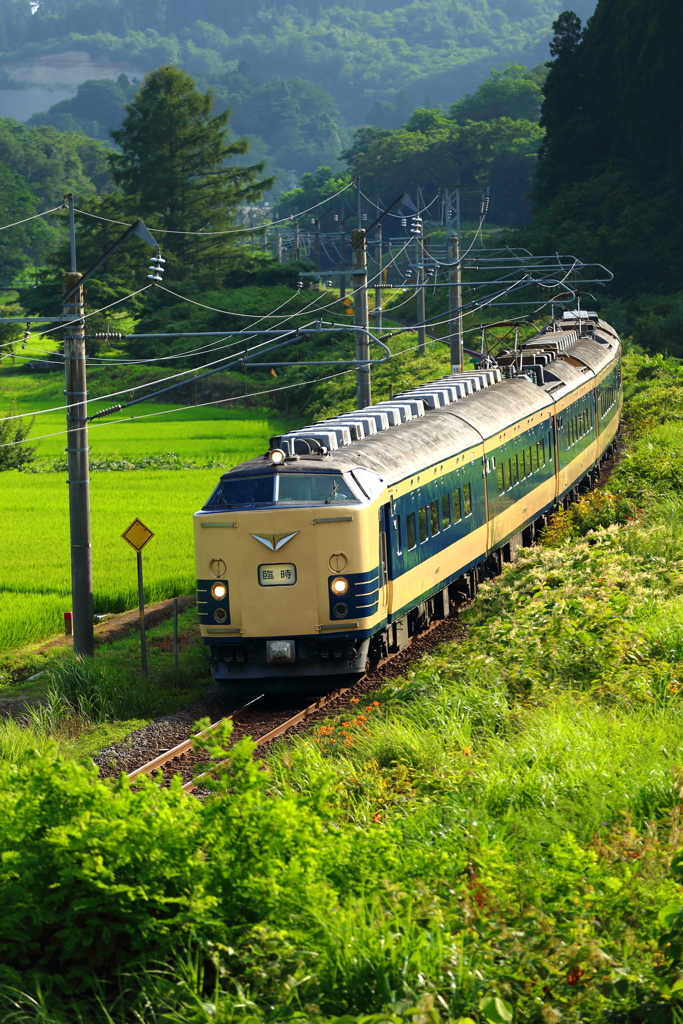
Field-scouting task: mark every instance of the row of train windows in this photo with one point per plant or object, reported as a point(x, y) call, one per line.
point(431, 519)
point(607, 399)
point(520, 466)
point(578, 426)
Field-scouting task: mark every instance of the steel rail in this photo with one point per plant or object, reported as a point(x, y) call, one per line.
point(182, 748)
point(272, 735)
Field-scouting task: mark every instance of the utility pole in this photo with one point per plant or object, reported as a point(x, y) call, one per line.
point(76, 392)
point(316, 241)
point(455, 302)
point(360, 288)
point(297, 246)
point(378, 279)
point(77, 454)
point(342, 260)
point(420, 279)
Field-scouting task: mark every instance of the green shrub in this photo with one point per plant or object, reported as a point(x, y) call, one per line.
point(593, 511)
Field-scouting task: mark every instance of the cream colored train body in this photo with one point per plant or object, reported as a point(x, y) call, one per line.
point(375, 522)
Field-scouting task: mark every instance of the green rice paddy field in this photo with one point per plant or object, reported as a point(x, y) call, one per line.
point(34, 530)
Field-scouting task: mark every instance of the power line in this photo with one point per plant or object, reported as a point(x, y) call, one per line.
point(35, 216)
point(229, 231)
point(183, 408)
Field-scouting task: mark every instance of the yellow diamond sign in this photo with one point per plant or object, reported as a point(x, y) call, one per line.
point(137, 534)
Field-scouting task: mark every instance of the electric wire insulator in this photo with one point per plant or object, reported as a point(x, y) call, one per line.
point(107, 336)
point(105, 412)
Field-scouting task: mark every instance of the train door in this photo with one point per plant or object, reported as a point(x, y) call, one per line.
point(384, 537)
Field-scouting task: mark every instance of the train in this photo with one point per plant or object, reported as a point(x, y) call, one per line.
point(349, 536)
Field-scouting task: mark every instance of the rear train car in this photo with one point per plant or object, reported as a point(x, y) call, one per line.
point(345, 539)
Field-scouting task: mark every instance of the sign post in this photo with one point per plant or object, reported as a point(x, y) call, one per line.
point(137, 535)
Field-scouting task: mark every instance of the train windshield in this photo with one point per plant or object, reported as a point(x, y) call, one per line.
point(281, 488)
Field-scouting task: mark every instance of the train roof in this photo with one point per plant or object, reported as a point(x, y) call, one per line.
point(452, 414)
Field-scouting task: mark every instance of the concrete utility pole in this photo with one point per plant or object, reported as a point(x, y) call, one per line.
point(342, 260)
point(378, 279)
point(76, 392)
point(421, 331)
point(455, 302)
point(77, 456)
point(316, 242)
point(360, 287)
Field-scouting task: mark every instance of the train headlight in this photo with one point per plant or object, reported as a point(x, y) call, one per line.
point(276, 456)
point(339, 586)
point(218, 591)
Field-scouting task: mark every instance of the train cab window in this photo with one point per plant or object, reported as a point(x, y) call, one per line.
point(445, 511)
point(304, 488)
point(319, 487)
point(422, 522)
point(500, 478)
point(434, 517)
point(411, 537)
point(457, 507)
point(508, 476)
point(467, 499)
point(244, 490)
point(515, 470)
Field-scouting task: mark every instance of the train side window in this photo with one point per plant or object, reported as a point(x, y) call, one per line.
point(445, 511)
point(550, 448)
point(422, 522)
point(508, 476)
point(529, 464)
point(434, 517)
point(500, 478)
point(534, 455)
point(411, 536)
point(541, 452)
point(467, 499)
point(396, 523)
point(515, 469)
point(457, 508)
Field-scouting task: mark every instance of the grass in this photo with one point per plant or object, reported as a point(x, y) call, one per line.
point(495, 837)
point(34, 548)
point(80, 707)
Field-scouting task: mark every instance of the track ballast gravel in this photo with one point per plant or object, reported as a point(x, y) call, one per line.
point(168, 731)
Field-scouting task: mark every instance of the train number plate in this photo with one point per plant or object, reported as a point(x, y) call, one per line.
point(282, 575)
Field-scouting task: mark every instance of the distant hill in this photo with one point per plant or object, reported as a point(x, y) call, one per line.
point(361, 52)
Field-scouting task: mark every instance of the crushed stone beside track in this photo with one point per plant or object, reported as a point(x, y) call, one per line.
point(168, 731)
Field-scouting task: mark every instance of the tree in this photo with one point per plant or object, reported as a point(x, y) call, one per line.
point(516, 92)
point(25, 244)
point(98, 106)
point(174, 172)
point(12, 432)
point(174, 167)
point(563, 157)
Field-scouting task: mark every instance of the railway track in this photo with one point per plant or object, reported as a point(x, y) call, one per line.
point(267, 719)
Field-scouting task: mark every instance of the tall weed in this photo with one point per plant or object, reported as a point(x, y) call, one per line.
point(96, 691)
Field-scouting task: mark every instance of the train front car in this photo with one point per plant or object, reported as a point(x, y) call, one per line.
point(288, 583)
